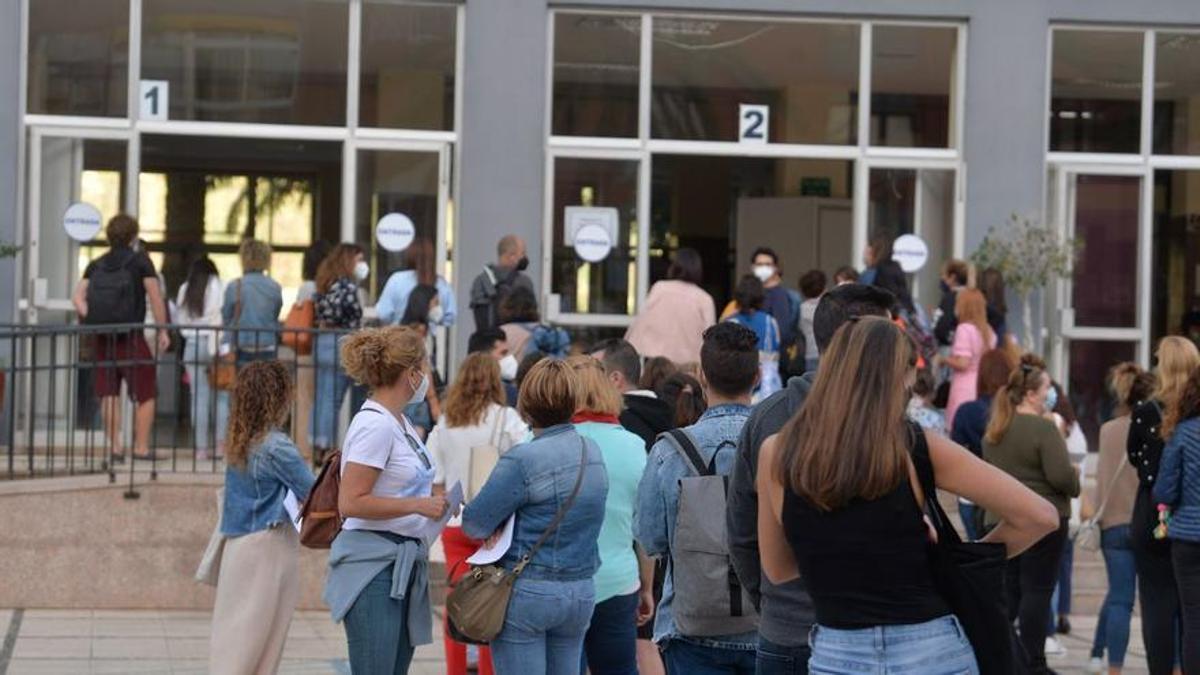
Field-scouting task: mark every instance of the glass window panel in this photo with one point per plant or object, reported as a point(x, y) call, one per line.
point(921, 202)
point(1105, 284)
point(1089, 361)
point(407, 68)
point(609, 286)
point(268, 61)
point(394, 182)
point(1176, 276)
point(78, 57)
point(1096, 91)
point(596, 60)
point(1177, 94)
point(725, 207)
point(912, 77)
point(807, 73)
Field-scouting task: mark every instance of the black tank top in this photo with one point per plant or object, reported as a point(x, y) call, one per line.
point(867, 563)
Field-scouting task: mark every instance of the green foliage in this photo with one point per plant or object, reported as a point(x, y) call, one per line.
point(1030, 254)
point(8, 250)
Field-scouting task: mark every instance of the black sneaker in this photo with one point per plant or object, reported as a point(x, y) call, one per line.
point(1064, 625)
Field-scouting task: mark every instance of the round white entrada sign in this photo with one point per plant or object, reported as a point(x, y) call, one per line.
point(395, 232)
point(82, 221)
point(592, 243)
point(911, 252)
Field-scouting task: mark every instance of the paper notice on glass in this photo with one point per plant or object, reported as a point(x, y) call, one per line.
point(454, 496)
point(488, 554)
point(292, 506)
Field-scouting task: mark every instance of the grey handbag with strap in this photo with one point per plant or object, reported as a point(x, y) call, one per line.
point(477, 603)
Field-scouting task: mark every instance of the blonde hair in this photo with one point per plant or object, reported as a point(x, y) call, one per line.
point(262, 398)
point(595, 393)
point(255, 255)
point(476, 387)
point(377, 357)
point(971, 307)
point(548, 394)
point(1177, 358)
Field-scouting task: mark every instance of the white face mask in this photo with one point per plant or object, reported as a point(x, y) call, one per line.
point(362, 270)
point(436, 314)
point(508, 367)
point(764, 272)
point(422, 389)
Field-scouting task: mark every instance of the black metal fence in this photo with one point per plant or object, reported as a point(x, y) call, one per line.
point(110, 399)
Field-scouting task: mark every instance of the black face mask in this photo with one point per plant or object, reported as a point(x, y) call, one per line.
point(523, 263)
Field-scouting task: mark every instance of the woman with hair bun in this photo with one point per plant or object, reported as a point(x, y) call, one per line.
point(378, 583)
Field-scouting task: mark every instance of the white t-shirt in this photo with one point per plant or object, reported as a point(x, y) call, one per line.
point(378, 440)
point(451, 446)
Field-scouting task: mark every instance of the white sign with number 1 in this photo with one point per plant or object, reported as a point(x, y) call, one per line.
point(155, 100)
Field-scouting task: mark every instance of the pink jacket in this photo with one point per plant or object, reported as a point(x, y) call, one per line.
point(672, 321)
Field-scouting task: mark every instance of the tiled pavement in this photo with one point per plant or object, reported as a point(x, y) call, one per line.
point(137, 642)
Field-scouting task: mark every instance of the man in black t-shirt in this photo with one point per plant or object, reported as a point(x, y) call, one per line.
point(114, 292)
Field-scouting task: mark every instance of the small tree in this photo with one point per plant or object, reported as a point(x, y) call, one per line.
point(1030, 255)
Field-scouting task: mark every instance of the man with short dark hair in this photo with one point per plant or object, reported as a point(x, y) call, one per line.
point(693, 613)
point(954, 278)
point(786, 611)
point(497, 280)
point(494, 342)
point(114, 290)
point(643, 413)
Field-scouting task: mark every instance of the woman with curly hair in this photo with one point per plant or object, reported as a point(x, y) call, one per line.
point(259, 581)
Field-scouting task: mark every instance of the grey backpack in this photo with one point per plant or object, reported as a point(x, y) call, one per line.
point(700, 563)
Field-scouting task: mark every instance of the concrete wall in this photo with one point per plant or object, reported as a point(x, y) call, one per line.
point(10, 156)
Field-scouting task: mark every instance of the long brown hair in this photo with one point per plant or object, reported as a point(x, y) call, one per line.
point(1185, 406)
point(475, 389)
point(971, 307)
point(1177, 358)
point(337, 265)
point(262, 398)
point(1026, 377)
point(420, 258)
point(849, 439)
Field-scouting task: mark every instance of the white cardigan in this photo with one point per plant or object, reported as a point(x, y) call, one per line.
point(451, 446)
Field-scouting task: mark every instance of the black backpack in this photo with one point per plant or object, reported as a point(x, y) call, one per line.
point(112, 291)
point(487, 313)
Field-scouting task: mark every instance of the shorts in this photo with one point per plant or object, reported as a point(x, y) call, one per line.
point(124, 358)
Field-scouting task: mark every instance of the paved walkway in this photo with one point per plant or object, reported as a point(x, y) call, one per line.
point(139, 642)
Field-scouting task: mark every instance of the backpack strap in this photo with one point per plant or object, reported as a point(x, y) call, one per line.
point(923, 463)
point(685, 445)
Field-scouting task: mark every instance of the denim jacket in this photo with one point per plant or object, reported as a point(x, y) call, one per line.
point(262, 300)
point(254, 494)
point(1178, 483)
point(532, 480)
point(658, 505)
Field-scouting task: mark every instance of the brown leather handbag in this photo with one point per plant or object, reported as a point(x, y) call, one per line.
point(301, 315)
point(320, 519)
point(222, 372)
point(478, 602)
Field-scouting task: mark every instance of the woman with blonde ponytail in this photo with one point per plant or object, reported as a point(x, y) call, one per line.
point(1177, 357)
point(1023, 440)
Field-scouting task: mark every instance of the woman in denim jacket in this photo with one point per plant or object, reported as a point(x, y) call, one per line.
point(552, 600)
point(259, 580)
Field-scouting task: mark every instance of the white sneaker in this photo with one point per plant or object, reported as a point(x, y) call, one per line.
point(1054, 647)
point(1095, 666)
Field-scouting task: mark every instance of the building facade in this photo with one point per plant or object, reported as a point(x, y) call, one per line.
point(722, 125)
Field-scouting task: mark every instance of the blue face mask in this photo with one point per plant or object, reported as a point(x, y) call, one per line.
point(1051, 399)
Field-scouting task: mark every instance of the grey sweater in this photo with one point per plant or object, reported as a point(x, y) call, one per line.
point(785, 612)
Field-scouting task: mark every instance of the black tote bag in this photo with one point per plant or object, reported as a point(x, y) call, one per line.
point(971, 578)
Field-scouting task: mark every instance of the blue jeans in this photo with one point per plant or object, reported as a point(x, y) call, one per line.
point(689, 658)
point(1060, 602)
point(196, 359)
point(776, 659)
point(610, 646)
point(544, 627)
point(245, 358)
point(330, 384)
point(968, 513)
point(1112, 629)
point(932, 648)
point(376, 631)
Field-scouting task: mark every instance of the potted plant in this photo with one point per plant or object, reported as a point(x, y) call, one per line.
point(1030, 255)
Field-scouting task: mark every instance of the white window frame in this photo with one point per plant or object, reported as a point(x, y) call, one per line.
point(352, 137)
point(643, 148)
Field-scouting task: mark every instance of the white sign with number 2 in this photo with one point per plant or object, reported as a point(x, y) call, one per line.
point(752, 123)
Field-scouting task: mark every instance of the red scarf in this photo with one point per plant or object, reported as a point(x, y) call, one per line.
point(590, 416)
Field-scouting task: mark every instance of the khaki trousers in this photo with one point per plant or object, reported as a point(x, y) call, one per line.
point(257, 591)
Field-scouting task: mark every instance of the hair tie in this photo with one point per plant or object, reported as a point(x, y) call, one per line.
point(687, 389)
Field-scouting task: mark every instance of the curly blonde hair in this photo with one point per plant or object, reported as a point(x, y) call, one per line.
point(377, 357)
point(261, 401)
point(475, 389)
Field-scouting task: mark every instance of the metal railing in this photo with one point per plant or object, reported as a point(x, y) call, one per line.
point(71, 397)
